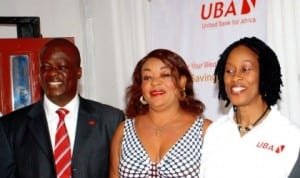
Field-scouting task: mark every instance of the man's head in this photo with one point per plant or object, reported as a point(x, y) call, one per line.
point(60, 70)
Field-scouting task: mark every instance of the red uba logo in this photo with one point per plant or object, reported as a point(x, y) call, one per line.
point(220, 9)
point(270, 147)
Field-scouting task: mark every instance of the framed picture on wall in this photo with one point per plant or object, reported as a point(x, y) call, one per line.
point(21, 94)
point(19, 72)
point(18, 62)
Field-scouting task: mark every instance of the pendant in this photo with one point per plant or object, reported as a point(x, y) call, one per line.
point(242, 129)
point(158, 132)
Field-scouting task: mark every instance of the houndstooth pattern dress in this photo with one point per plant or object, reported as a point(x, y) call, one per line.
point(181, 161)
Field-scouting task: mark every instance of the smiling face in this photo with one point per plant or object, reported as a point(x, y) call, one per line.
point(241, 77)
point(59, 73)
point(158, 84)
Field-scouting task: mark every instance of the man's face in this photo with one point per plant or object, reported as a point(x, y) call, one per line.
point(59, 74)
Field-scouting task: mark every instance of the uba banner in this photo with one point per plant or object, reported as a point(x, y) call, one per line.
point(199, 31)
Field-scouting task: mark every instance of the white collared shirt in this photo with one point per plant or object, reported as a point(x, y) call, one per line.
point(269, 150)
point(70, 119)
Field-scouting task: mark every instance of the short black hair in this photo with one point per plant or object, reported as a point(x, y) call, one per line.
point(62, 43)
point(270, 71)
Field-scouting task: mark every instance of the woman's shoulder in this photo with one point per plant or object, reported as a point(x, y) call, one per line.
point(213, 124)
point(206, 123)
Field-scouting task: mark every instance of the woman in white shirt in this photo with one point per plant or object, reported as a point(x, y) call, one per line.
point(253, 140)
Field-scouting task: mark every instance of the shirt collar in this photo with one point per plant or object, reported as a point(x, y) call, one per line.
point(50, 107)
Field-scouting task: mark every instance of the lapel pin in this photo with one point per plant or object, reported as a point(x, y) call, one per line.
point(92, 122)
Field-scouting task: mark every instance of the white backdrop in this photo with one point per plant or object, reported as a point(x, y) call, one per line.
point(199, 30)
point(114, 34)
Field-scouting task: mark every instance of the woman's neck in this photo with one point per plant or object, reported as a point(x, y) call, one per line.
point(248, 117)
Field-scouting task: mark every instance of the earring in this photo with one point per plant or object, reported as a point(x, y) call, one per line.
point(142, 100)
point(183, 93)
point(234, 108)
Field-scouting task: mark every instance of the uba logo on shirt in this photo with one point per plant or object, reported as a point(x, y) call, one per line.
point(271, 147)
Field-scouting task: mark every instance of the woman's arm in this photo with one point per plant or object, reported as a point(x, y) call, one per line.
point(115, 151)
point(206, 123)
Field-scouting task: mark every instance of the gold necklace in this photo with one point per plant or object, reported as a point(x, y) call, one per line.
point(244, 130)
point(158, 129)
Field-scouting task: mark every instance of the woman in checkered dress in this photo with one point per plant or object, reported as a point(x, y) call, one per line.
point(162, 136)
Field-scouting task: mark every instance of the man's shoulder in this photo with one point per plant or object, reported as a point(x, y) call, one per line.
point(105, 113)
point(23, 110)
point(97, 104)
point(20, 115)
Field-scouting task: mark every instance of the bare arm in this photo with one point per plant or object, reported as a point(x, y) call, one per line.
point(115, 152)
point(206, 123)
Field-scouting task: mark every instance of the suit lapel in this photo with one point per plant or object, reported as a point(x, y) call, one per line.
point(85, 126)
point(39, 129)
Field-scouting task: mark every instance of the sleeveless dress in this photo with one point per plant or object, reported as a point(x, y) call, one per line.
point(181, 161)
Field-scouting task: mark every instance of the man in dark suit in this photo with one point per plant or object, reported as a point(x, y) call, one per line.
point(28, 136)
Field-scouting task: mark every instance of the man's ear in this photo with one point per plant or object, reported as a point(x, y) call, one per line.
point(79, 73)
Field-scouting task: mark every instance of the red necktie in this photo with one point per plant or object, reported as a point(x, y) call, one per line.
point(62, 149)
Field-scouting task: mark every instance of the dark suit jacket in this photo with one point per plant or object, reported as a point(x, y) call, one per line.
point(25, 146)
point(296, 170)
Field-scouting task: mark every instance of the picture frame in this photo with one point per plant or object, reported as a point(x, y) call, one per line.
point(27, 27)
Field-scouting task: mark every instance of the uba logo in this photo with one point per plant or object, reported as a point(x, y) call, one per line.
point(270, 147)
point(220, 9)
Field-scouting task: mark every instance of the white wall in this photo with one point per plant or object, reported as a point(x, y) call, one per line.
point(58, 18)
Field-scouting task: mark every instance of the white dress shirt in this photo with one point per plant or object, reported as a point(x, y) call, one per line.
point(70, 119)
